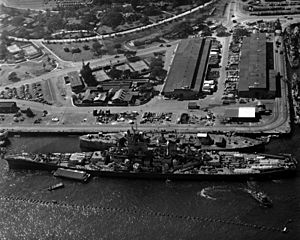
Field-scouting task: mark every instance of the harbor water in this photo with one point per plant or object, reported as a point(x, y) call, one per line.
point(107, 208)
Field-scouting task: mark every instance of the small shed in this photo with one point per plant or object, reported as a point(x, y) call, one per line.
point(205, 139)
point(193, 105)
point(8, 107)
point(247, 114)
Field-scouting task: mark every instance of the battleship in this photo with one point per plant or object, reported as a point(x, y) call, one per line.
point(204, 141)
point(135, 159)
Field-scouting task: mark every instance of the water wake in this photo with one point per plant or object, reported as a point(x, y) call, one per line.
point(204, 194)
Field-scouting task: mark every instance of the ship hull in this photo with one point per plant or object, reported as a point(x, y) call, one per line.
point(88, 145)
point(257, 147)
point(15, 163)
point(94, 145)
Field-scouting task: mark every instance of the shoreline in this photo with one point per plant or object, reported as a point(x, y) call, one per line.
point(79, 130)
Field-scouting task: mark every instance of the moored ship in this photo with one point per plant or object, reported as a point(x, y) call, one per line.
point(202, 141)
point(220, 166)
point(166, 161)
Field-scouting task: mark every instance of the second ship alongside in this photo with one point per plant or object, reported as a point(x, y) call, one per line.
point(134, 158)
point(202, 141)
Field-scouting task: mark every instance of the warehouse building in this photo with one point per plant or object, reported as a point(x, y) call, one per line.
point(8, 107)
point(187, 73)
point(258, 78)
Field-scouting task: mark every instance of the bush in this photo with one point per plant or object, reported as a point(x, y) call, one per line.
point(76, 50)
point(86, 47)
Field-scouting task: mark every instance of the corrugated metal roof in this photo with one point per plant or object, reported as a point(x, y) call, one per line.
point(241, 112)
point(272, 80)
point(7, 104)
point(75, 79)
point(231, 113)
point(202, 65)
point(246, 112)
point(253, 63)
point(184, 65)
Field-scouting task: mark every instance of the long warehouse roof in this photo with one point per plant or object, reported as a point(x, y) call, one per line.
point(184, 65)
point(253, 63)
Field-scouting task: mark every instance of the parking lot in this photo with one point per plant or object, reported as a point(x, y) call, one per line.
point(37, 92)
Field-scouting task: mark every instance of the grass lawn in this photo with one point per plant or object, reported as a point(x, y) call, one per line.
point(58, 49)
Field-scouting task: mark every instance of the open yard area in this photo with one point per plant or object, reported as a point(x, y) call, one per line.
point(26, 70)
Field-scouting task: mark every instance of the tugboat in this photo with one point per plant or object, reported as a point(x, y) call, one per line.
point(261, 197)
point(56, 186)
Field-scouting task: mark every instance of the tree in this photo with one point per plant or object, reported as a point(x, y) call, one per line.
point(97, 47)
point(145, 20)
point(13, 77)
point(156, 68)
point(17, 21)
point(29, 113)
point(152, 11)
point(112, 19)
point(102, 2)
point(182, 30)
point(54, 23)
point(134, 4)
point(156, 62)
point(118, 45)
point(115, 73)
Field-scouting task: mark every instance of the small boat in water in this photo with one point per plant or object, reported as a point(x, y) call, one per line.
point(56, 186)
point(261, 197)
